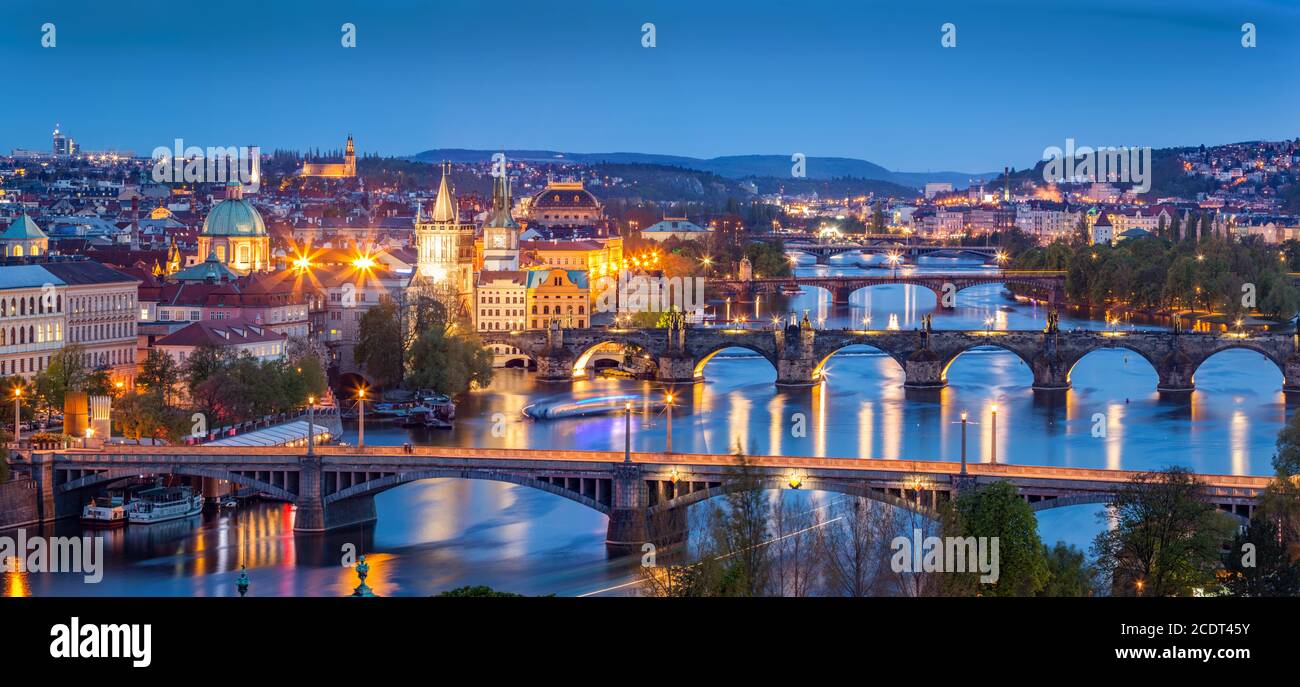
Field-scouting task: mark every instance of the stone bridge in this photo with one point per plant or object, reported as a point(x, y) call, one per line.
point(799, 352)
point(1050, 284)
point(644, 494)
point(824, 251)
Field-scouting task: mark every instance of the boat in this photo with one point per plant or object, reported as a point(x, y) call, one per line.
point(104, 511)
point(441, 411)
point(600, 405)
point(416, 416)
point(161, 504)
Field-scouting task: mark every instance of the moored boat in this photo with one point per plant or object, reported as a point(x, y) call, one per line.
point(104, 511)
point(164, 503)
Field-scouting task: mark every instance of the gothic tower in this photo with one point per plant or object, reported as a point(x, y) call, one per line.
point(445, 246)
point(350, 158)
point(501, 233)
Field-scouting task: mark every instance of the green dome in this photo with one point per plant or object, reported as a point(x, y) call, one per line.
point(234, 217)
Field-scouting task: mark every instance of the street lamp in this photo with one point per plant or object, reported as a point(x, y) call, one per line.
point(963, 442)
point(668, 408)
point(361, 417)
point(311, 425)
point(627, 433)
point(993, 438)
point(18, 427)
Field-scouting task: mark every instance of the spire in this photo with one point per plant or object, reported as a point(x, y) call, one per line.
point(444, 209)
point(500, 216)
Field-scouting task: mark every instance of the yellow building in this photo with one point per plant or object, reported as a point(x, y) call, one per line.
point(558, 295)
point(334, 170)
point(601, 259)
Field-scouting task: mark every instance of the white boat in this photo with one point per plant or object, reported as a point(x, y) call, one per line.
point(164, 503)
point(104, 511)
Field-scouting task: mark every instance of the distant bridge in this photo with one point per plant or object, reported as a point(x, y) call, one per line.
point(824, 251)
point(1050, 284)
point(799, 353)
point(335, 486)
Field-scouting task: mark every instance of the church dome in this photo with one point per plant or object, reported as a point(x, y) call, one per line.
point(234, 217)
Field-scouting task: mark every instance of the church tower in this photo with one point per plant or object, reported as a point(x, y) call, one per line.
point(445, 246)
point(501, 233)
point(350, 158)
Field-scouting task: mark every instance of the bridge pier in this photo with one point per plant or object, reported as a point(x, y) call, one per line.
point(1175, 374)
point(923, 370)
point(629, 500)
point(552, 368)
point(676, 369)
point(1291, 376)
point(1051, 373)
point(310, 516)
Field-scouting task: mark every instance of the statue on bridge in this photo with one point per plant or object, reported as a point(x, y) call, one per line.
point(1053, 321)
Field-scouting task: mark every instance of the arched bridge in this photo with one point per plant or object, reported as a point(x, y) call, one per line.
point(335, 486)
point(910, 249)
point(799, 353)
point(1049, 284)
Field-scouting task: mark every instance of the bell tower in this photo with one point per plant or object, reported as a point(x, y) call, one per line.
point(501, 233)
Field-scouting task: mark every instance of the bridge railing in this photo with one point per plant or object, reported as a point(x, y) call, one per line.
point(344, 454)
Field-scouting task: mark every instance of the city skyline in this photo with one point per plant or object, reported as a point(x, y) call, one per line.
point(1153, 74)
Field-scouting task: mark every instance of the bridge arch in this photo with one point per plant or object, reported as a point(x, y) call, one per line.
point(874, 346)
point(1239, 345)
point(992, 342)
point(1115, 344)
point(117, 474)
point(703, 358)
point(382, 484)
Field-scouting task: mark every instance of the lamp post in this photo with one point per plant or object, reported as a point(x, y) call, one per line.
point(18, 426)
point(311, 425)
point(627, 433)
point(668, 408)
point(728, 308)
point(361, 418)
point(993, 438)
point(963, 442)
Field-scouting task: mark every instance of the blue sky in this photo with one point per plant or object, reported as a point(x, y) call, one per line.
point(863, 79)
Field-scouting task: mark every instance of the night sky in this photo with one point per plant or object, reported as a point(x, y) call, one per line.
point(863, 79)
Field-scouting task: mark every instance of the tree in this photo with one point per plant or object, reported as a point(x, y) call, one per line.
point(65, 372)
point(159, 374)
point(996, 510)
point(448, 363)
point(737, 532)
point(1258, 562)
point(855, 546)
point(1068, 572)
point(379, 345)
point(1165, 539)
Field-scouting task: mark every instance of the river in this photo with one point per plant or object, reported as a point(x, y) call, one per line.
point(439, 534)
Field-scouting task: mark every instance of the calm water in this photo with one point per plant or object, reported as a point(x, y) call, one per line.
point(439, 534)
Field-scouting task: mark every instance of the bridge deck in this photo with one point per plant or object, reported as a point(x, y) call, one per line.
point(378, 456)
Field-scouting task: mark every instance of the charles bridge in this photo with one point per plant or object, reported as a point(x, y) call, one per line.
point(800, 351)
point(1048, 284)
point(643, 494)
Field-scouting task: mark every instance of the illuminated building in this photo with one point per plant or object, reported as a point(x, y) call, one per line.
point(565, 204)
point(334, 170)
point(501, 233)
point(235, 233)
point(558, 295)
point(23, 238)
point(445, 246)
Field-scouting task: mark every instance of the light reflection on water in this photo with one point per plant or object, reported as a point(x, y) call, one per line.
point(438, 534)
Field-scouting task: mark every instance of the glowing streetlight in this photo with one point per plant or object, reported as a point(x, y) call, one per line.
point(18, 427)
point(361, 417)
point(311, 425)
point(993, 437)
point(668, 409)
point(627, 432)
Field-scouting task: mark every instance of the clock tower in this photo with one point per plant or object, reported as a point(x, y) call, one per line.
point(501, 233)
